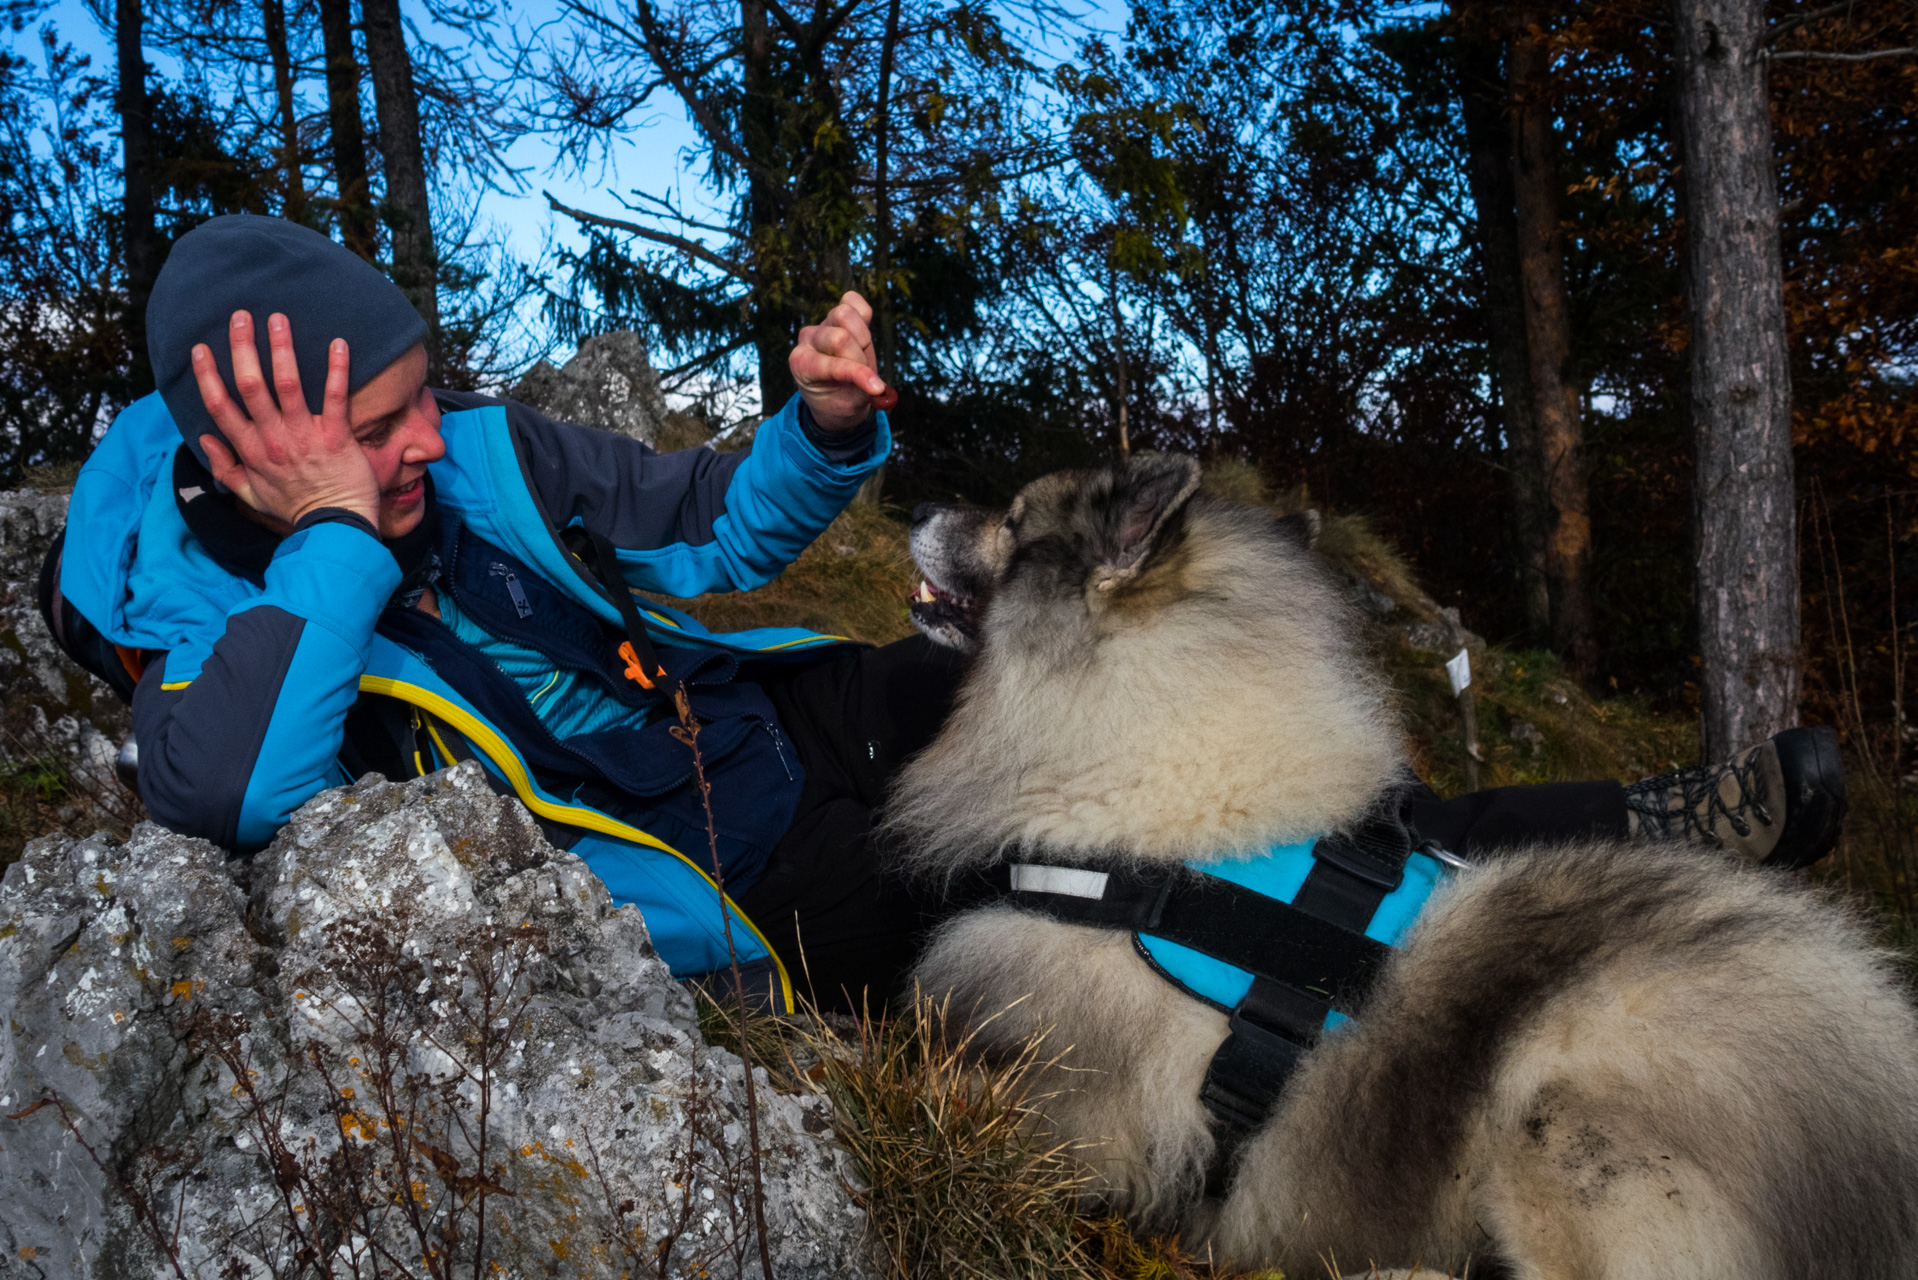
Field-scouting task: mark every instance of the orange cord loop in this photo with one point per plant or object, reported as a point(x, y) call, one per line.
point(634, 671)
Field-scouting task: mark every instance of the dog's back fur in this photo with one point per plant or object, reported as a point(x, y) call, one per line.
point(1604, 1060)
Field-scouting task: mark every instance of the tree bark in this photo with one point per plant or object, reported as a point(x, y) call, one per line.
point(1118, 347)
point(1488, 142)
point(884, 335)
point(882, 196)
point(407, 214)
point(1555, 408)
point(1747, 582)
point(141, 239)
point(347, 128)
point(293, 187)
point(758, 127)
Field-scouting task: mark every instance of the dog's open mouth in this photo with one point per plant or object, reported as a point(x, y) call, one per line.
point(945, 615)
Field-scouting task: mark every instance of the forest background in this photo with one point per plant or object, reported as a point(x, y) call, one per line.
point(1426, 263)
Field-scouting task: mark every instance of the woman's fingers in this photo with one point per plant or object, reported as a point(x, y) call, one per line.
point(858, 305)
point(286, 366)
point(848, 332)
point(333, 402)
point(248, 380)
point(226, 415)
point(227, 468)
point(824, 368)
point(220, 459)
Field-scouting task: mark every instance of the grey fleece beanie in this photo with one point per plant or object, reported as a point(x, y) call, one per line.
point(243, 262)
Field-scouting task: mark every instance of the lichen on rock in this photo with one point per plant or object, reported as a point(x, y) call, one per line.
point(408, 1005)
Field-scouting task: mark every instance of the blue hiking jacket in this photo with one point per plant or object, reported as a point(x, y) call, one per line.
point(260, 691)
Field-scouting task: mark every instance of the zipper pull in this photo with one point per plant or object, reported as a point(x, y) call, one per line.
point(779, 750)
point(513, 589)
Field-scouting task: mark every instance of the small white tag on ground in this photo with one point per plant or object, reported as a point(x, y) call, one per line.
point(1459, 670)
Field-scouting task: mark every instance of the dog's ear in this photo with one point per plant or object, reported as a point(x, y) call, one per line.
point(1150, 492)
point(1301, 526)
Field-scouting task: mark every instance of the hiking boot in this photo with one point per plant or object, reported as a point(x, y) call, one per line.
point(1779, 804)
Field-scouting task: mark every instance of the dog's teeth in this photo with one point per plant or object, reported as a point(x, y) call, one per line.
point(925, 592)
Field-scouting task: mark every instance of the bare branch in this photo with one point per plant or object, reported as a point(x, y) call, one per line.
point(1812, 55)
point(1798, 20)
point(674, 212)
point(692, 248)
point(655, 43)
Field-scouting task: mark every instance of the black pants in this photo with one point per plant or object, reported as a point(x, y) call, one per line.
point(848, 928)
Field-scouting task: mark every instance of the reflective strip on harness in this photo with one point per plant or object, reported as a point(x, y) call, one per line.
point(1073, 882)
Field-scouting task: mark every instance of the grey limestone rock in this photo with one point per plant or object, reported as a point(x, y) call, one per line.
point(327, 1056)
point(608, 384)
point(52, 713)
point(34, 674)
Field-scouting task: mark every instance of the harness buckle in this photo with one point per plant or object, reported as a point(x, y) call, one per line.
point(1247, 1072)
point(1443, 856)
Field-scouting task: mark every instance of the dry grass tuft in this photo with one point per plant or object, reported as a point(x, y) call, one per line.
point(52, 476)
point(960, 1178)
point(1123, 1256)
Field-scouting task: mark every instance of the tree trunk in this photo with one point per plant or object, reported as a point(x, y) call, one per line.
point(1541, 254)
point(1118, 347)
point(772, 337)
point(1488, 142)
point(347, 128)
point(882, 198)
point(1747, 582)
point(293, 188)
point(406, 211)
point(141, 240)
point(884, 335)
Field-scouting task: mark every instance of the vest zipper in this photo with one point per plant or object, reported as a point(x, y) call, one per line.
point(779, 749)
point(513, 589)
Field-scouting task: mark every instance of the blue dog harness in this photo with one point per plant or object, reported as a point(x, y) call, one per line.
point(1288, 943)
point(1280, 873)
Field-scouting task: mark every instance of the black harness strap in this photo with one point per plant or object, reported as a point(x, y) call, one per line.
point(1353, 871)
point(642, 660)
point(1271, 1030)
point(1240, 926)
point(1309, 957)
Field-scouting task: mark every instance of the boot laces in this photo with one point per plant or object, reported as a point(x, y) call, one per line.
point(1700, 794)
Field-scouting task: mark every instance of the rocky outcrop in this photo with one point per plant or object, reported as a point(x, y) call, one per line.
point(33, 671)
point(55, 719)
point(407, 1031)
point(608, 384)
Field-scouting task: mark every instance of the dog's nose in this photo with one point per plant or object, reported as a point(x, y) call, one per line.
point(924, 512)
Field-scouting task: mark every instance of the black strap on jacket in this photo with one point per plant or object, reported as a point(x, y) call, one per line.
point(1308, 958)
point(642, 660)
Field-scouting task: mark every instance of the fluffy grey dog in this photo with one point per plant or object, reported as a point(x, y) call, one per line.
point(1604, 1060)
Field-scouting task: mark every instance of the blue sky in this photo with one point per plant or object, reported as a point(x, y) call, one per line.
point(649, 157)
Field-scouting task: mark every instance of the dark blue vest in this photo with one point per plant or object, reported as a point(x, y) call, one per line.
point(641, 775)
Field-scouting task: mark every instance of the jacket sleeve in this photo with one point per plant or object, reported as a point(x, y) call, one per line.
point(695, 520)
point(241, 726)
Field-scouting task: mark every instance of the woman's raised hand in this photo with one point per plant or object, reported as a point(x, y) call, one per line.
point(281, 459)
